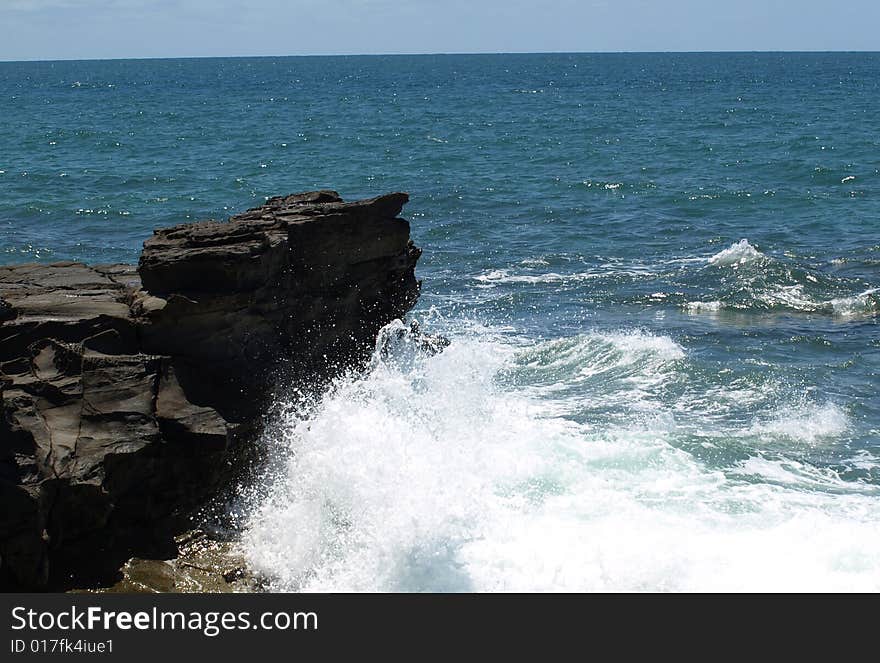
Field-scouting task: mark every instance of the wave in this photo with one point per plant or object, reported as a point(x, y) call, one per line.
point(795, 298)
point(863, 303)
point(701, 307)
point(739, 278)
point(636, 357)
point(737, 254)
point(457, 472)
point(808, 423)
point(742, 278)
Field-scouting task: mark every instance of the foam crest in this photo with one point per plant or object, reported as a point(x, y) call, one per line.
point(505, 276)
point(807, 423)
point(739, 253)
point(617, 371)
point(705, 307)
point(594, 353)
point(866, 302)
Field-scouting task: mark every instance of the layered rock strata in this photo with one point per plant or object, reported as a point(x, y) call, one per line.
point(126, 393)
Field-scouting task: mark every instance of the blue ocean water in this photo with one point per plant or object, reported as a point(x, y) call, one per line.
point(659, 272)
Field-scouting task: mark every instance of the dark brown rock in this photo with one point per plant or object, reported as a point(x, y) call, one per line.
point(302, 277)
point(125, 393)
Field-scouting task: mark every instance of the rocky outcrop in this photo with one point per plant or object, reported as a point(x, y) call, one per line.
point(125, 393)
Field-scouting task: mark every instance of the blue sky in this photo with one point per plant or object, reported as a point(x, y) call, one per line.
point(65, 29)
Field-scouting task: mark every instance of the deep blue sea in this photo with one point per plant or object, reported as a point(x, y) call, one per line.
point(659, 274)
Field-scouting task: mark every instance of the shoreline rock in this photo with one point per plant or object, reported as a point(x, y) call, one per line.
point(127, 395)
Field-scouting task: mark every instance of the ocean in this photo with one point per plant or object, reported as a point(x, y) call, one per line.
point(660, 276)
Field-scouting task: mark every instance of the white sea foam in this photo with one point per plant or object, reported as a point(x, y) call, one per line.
point(864, 303)
point(795, 297)
point(534, 262)
point(428, 474)
point(594, 354)
point(638, 344)
point(736, 254)
point(788, 296)
point(704, 307)
point(503, 276)
point(805, 422)
point(623, 368)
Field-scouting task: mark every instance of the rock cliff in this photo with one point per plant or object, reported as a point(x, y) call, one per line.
point(126, 393)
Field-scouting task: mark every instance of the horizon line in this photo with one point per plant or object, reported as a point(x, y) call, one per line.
point(432, 54)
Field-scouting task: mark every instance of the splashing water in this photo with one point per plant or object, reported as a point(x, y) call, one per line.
point(465, 471)
point(738, 254)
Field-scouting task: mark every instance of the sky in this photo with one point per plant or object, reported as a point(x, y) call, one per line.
point(86, 29)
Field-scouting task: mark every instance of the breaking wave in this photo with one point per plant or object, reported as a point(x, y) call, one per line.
point(737, 254)
point(742, 278)
point(494, 466)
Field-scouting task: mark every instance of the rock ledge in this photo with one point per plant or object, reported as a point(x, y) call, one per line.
point(126, 393)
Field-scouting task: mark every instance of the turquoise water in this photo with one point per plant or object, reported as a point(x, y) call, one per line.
point(660, 275)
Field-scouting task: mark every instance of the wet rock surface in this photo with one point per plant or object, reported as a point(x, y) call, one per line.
point(203, 562)
point(128, 395)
